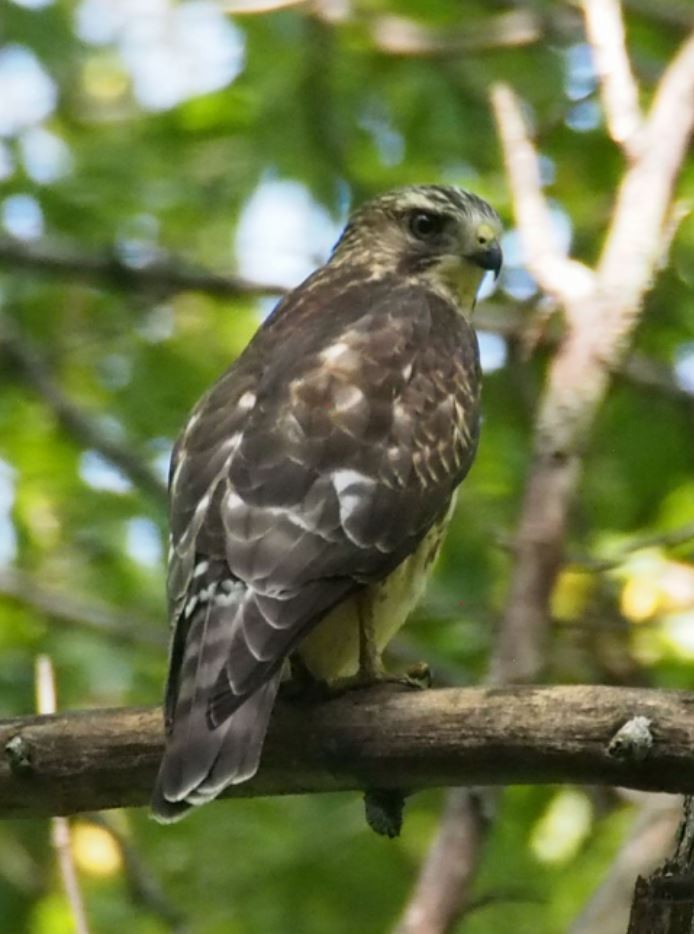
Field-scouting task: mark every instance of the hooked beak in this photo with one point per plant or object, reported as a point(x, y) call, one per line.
point(490, 257)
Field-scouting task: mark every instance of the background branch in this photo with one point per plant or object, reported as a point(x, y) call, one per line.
point(173, 277)
point(86, 613)
point(556, 273)
point(618, 89)
point(647, 843)
point(601, 309)
point(441, 890)
point(60, 826)
point(145, 889)
point(664, 903)
point(379, 738)
point(84, 427)
point(600, 322)
point(162, 276)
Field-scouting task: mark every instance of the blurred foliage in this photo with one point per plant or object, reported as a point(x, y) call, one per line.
point(156, 128)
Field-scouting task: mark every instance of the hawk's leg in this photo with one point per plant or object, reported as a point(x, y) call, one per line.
point(371, 670)
point(370, 663)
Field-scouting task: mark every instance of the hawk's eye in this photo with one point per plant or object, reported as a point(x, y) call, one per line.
point(424, 225)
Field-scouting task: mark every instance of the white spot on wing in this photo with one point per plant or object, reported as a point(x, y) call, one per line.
point(208, 592)
point(352, 487)
point(346, 397)
point(177, 471)
point(200, 568)
point(247, 400)
point(334, 351)
point(296, 517)
point(400, 412)
point(229, 446)
point(233, 500)
point(227, 599)
point(199, 513)
point(346, 478)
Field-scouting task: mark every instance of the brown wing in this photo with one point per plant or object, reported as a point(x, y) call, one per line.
point(314, 466)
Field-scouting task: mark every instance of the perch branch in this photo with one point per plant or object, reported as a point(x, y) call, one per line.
point(380, 738)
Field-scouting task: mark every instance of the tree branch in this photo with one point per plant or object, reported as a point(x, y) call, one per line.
point(619, 92)
point(74, 263)
point(450, 866)
point(403, 36)
point(60, 826)
point(664, 903)
point(600, 322)
point(648, 841)
point(84, 427)
point(145, 890)
point(84, 612)
point(172, 277)
point(379, 738)
point(556, 273)
point(163, 276)
point(601, 309)
point(635, 241)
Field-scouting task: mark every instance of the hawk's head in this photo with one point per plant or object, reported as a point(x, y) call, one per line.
point(444, 235)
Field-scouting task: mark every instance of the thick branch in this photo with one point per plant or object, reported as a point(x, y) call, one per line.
point(648, 841)
point(664, 903)
point(593, 346)
point(634, 246)
point(381, 738)
point(600, 320)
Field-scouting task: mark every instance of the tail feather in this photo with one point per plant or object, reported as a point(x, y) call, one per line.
point(239, 754)
point(225, 669)
point(191, 746)
point(200, 758)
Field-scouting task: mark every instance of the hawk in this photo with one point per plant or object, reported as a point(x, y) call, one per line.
point(311, 487)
